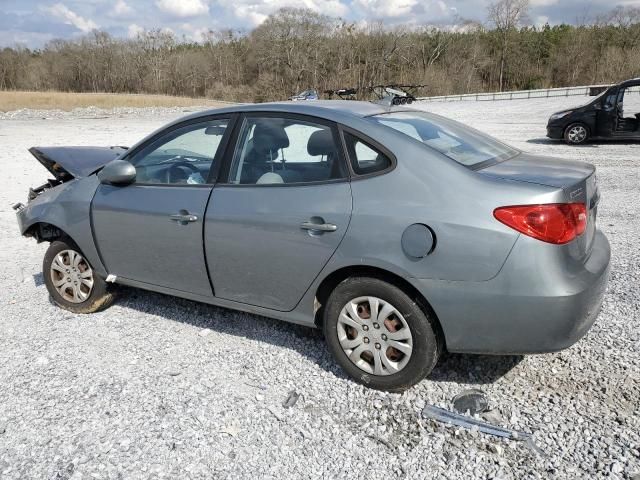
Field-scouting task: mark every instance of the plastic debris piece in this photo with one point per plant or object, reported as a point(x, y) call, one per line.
point(473, 401)
point(291, 399)
point(445, 416)
point(231, 430)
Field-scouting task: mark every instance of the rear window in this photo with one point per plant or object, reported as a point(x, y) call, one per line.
point(458, 142)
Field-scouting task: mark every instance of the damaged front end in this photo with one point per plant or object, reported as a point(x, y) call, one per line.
point(43, 202)
point(67, 163)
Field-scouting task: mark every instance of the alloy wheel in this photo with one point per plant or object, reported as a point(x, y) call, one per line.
point(577, 134)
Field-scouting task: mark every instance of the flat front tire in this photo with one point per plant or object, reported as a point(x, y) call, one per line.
point(71, 281)
point(380, 336)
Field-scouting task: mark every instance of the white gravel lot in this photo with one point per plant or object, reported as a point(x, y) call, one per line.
point(157, 387)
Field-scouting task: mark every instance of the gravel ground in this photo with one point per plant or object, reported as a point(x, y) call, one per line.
point(157, 387)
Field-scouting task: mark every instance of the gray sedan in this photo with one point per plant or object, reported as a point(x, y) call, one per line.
point(400, 233)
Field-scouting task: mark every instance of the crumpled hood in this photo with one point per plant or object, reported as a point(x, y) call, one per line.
point(76, 162)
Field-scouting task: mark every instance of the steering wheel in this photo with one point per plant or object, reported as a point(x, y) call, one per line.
point(172, 171)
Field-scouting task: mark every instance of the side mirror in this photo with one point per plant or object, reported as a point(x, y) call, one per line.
point(117, 172)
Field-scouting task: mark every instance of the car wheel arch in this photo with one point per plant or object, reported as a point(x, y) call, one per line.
point(46, 232)
point(337, 276)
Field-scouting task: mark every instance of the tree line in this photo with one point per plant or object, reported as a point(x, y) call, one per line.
point(296, 49)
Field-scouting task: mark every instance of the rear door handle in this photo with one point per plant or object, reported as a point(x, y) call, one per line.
point(183, 218)
point(318, 227)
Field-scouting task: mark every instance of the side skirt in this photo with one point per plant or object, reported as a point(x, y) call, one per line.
point(296, 316)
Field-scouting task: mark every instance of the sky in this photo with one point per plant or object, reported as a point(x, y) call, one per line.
point(33, 23)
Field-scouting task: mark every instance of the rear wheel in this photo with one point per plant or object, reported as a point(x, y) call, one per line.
point(576, 134)
point(379, 335)
point(70, 280)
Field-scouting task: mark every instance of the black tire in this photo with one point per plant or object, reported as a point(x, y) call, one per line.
point(576, 134)
point(99, 296)
point(426, 345)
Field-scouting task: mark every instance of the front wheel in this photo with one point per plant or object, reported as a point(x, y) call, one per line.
point(379, 335)
point(576, 134)
point(70, 280)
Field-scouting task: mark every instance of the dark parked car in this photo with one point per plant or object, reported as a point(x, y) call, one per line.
point(614, 114)
point(398, 232)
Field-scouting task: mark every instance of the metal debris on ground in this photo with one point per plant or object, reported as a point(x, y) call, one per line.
point(291, 399)
point(275, 413)
point(473, 401)
point(445, 416)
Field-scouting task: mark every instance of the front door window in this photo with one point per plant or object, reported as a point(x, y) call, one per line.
point(185, 155)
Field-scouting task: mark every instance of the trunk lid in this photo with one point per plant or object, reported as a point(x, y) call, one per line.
point(576, 179)
point(552, 172)
point(75, 162)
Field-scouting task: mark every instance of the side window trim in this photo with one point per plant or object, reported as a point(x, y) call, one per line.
point(227, 161)
point(367, 141)
point(217, 159)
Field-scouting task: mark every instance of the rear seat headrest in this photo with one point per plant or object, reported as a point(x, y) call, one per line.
point(321, 143)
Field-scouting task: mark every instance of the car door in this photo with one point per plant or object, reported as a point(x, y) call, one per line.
point(151, 231)
point(280, 215)
point(607, 114)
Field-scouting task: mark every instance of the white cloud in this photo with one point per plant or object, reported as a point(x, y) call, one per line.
point(69, 17)
point(254, 12)
point(121, 9)
point(134, 30)
point(541, 20)
point(385, 8)
point(183, 8)
point(195, 34)
point(542, 3)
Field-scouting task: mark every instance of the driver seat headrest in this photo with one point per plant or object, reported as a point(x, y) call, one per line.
point(269, 137)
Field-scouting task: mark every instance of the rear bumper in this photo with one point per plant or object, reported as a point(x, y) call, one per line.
point(531, 306)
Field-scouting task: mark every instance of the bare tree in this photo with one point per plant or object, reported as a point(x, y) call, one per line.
point(296, 49)
point(506, 16)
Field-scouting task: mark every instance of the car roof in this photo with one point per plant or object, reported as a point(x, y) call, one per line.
point(349, 107)
point(631, 81)
point(335, 110)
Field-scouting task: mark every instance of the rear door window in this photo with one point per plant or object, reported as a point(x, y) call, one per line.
point(280, 150)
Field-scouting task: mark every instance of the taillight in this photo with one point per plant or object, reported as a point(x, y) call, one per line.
point(553, 223)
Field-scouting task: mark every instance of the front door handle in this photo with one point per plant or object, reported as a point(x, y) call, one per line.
point(318, 227)
point(183, 218)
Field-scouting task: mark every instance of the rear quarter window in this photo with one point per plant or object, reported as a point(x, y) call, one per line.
point(365, 158)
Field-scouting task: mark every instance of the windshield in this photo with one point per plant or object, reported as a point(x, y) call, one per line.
point(458, 142)
point(595, 99)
